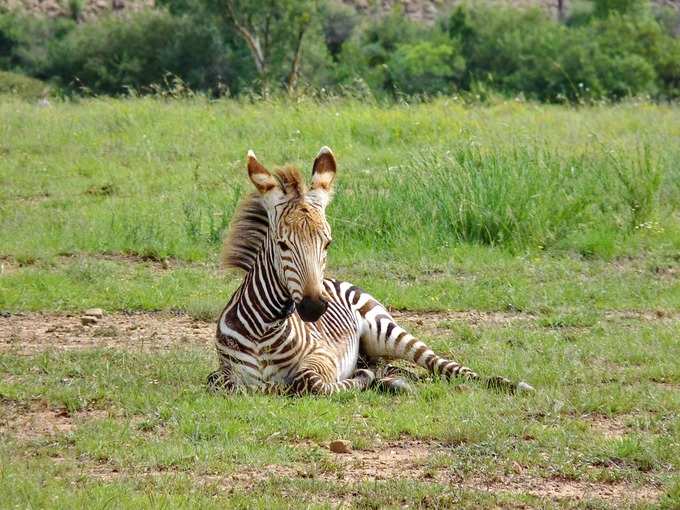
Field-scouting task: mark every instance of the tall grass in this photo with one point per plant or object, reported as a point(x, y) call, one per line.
point(162, 178)
point(522, 197)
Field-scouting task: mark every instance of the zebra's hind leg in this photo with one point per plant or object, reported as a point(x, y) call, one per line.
point(382, 337)
point(391, 378)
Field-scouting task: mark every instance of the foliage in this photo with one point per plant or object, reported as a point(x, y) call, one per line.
point(115, 54)
point(604, 8)
point(605, 50)
point(425, 67)
point(22, 86)
point(24, 41)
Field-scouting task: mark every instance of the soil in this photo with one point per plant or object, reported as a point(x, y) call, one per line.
point(31, 333)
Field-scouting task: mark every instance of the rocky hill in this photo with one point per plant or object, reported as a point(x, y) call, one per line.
point(424, 10)
point(428, 10)
point(78, 9)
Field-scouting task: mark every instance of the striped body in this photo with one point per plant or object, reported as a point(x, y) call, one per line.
point(263, 344)
point(259, 359)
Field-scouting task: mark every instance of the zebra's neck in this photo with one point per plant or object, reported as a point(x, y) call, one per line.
point(263, 303)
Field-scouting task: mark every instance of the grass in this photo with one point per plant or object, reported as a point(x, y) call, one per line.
point(568, 219)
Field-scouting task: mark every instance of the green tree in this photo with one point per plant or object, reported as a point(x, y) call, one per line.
point(603, 8)
point(274, 31)
point(426, 66)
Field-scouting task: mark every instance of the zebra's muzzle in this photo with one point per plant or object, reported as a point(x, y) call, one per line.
point(310, 309)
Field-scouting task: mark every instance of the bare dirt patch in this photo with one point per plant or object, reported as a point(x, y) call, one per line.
point(435, 322)
point(27, 422)
point(611, 427)
point(399, 460)
point(564, 489)
point(32, 333)
point(414, 460)
point(411, 460)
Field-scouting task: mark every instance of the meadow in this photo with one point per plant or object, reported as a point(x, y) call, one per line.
point(540, 242)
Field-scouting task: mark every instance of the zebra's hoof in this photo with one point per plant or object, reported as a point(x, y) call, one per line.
point(523, 387)
point(396, 386)
point(364, 373)
point(218, 381)
point(399, 386)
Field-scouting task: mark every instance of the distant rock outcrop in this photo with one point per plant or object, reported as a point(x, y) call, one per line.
point(79, 9)
point(428, 10)
point(421, 10)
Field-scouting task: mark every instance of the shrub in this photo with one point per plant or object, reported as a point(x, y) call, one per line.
point(367, 54)
point(114, 54)
point(526, 52)
point(339, 22)
point(22, 86)
point(425, 67)
point(24, 40)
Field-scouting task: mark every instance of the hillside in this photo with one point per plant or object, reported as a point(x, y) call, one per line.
point(425, 10)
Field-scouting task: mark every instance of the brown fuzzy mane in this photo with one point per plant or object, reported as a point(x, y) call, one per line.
point(291, 181)
point(250, 223)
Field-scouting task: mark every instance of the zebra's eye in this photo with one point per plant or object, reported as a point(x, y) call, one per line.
point(328, 244)
point(282, 245)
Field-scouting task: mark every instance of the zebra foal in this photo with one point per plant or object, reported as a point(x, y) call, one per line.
point(287, 326)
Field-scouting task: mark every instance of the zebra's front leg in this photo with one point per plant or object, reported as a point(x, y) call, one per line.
point(221, 380)
point(310, 381)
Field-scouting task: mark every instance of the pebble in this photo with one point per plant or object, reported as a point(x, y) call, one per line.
point(94, 312)
point(340, 446)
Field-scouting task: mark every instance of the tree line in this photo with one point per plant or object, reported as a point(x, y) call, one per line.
point(600, 49)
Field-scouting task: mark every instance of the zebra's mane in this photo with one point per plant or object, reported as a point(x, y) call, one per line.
point(250, 223)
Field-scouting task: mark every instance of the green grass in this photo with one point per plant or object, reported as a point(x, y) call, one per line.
point(569, 217)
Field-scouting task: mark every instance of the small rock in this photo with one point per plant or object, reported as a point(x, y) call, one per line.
point(340, 446)
point(523, 387)
point(88, 320)
point(94, 312)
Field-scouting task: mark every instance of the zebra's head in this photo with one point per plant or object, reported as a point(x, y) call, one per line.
point(298, 230)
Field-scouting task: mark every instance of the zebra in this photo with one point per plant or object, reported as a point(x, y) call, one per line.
point(289, 328)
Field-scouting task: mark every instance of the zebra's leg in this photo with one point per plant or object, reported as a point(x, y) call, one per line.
point(389, 378)
point(221, 380)
point(317, 376)
point(382, 337)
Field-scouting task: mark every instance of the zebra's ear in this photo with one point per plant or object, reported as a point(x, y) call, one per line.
point(259, 175)
point(323, 171)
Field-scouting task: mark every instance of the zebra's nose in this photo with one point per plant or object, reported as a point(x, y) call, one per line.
point(311, 309)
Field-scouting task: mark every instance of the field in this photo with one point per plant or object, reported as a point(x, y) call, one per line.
point(537, 242)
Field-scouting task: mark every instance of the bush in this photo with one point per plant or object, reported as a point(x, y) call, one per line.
point(426, 67)
point(611, 50)
point(22, 86)
point(114, 54)
point(24, 40)
point(525, 52)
